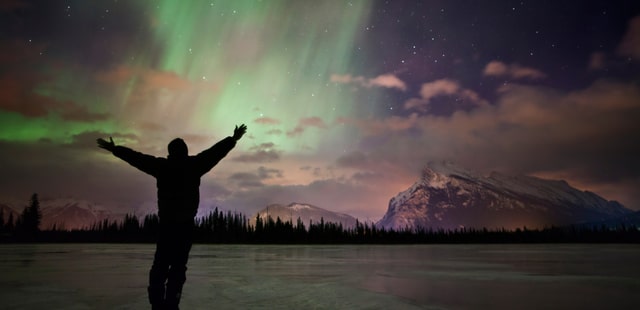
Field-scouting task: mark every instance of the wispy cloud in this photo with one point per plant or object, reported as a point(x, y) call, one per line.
point(305, 123)
point(514, 71)
point(255, 179)
point(442, 87)
point(384, 80)
point(262, 153)
point(266, 121)
point(388, 81)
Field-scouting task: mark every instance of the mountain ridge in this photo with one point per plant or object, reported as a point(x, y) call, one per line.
point(448, 196)
point(306, 212)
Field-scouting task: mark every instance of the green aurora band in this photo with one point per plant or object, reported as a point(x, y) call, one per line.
point(269, 59)
point(230, 62)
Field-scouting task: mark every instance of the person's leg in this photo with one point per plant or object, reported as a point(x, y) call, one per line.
point(176, 276)
point(159, 270)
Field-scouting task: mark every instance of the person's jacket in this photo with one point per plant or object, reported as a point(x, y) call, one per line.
point(177, 179)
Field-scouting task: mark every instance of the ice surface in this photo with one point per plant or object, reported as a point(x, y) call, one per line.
point(104, 276)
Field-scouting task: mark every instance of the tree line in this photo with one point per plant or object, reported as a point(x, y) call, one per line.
point(234, 227)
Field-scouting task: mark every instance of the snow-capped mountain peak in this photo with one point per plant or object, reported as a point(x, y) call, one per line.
point(449, 196)
point(306, 212)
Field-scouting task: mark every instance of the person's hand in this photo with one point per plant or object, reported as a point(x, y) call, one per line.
point(239, 132)
point(107, 145)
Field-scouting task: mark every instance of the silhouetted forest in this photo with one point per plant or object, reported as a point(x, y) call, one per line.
point(221, 227)
point(234, 227)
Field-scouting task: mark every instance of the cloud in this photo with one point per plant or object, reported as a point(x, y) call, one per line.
point(390, 124)
point(366, 176)
point(438, 88)
point(388, 81)
point(464, 99)
point(366, 169)
point(246, 180)
point(266, 121)
point(384, 80)
point(298, 130)
point(263, 153)
point(305, 123)
point(274, 132)
point(514, 71)
point(354, 159)
point(317, 172)
point(347, 79)
point(269, 173)
point(630, 45)
point(252, 180)
point(312, 122)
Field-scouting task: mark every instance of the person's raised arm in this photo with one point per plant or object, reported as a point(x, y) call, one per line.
point(208, 158)
point(146, 163)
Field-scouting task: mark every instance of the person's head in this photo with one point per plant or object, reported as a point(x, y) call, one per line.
point(178, 149)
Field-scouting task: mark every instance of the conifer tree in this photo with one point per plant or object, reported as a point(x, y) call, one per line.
point(29, 221)
point(35, 213)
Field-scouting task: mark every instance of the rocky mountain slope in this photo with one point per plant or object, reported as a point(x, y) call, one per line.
point(448, 196)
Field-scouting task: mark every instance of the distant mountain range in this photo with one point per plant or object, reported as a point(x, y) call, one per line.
point(449, 197)
point(64, 213)
point(446, 196)
point(307, 213)
point(72, 214)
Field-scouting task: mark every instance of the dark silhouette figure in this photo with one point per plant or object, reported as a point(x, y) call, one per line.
point(178, 182)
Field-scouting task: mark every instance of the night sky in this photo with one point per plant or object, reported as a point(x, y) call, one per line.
point(345, 101)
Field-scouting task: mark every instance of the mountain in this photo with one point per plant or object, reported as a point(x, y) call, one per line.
point(448, 196)
point(306, 213)
point(68, 213)
point(64, 213)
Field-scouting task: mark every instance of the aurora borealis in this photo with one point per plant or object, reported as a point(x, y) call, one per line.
point(345, 101)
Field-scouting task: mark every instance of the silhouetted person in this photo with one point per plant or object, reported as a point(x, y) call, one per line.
point(178, 182)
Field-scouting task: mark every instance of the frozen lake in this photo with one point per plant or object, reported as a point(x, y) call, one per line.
point(114, 276)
